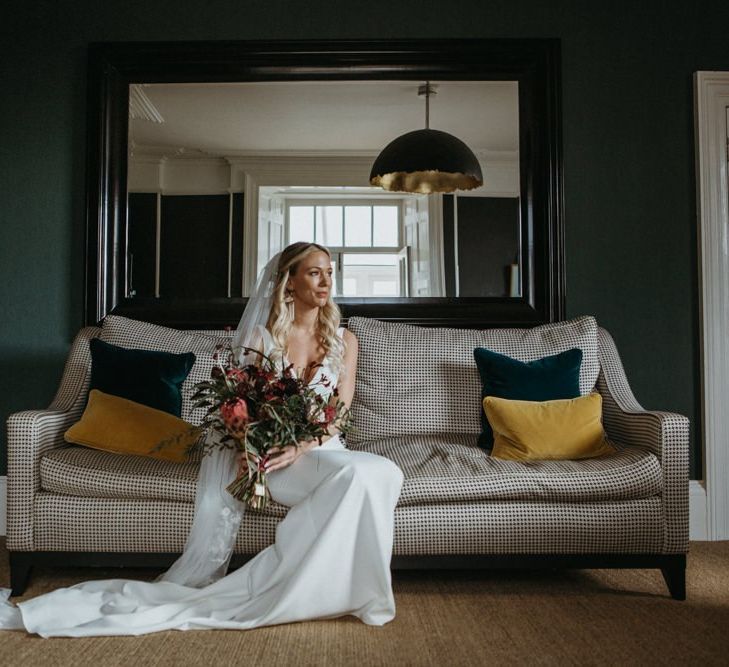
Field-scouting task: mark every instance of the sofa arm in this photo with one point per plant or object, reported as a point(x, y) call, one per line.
point(32, 433)
point(665, 434)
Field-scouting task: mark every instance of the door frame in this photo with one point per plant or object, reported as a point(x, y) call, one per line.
point(711, 99)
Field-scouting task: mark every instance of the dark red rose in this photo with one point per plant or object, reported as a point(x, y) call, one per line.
point(291, 387)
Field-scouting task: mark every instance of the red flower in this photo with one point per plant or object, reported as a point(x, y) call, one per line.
point(330, 412)
point(234, 414)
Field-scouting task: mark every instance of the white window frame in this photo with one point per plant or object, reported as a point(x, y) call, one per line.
point(338, 251)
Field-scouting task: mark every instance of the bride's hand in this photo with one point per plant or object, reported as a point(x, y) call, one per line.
point(280, 457)
point(285, 456)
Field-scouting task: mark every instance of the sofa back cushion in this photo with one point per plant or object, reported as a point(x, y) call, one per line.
point(130, 333)
point(418, 380)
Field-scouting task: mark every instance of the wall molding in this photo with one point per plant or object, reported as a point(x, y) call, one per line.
point(698, 530)
point(177, 170)
point(711, 99)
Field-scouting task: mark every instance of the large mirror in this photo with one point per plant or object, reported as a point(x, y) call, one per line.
point(207, 159)
point(230, 173)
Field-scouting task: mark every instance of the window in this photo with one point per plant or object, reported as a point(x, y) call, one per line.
point(370, 274)
point(364, 237)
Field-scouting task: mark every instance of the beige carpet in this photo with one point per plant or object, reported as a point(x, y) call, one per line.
point(583, 617)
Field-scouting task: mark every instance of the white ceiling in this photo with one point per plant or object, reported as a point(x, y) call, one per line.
point(220, 118)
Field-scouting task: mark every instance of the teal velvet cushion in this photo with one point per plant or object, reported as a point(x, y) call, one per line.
point(144, 376)
point(547, 379)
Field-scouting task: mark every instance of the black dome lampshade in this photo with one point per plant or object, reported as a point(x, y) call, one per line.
point(426, 161)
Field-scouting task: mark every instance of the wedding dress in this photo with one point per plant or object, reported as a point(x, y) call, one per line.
point(331, 557)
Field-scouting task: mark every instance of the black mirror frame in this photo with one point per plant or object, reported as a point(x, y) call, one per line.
point(534, 63)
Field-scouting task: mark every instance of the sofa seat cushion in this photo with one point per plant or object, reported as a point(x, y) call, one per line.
point(450, 468)
point(78, 471)
point(438, 469)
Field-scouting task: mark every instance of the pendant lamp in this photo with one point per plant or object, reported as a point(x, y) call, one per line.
point(426, 161)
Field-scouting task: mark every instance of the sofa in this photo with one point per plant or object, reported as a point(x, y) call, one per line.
point(417, 401)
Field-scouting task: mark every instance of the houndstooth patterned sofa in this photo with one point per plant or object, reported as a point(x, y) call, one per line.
point(417, 401)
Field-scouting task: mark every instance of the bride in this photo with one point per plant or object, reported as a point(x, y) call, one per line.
point(331, 556)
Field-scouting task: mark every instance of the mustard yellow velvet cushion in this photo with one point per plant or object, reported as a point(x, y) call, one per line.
point(540, 430)
point(119, 425)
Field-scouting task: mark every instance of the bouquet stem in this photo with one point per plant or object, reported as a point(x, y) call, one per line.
point(251, 486)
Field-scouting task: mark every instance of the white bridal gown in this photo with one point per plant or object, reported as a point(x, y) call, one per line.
point(331, 557)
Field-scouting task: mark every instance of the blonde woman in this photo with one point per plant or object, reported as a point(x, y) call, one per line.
point(303, 329)
point(332, 551)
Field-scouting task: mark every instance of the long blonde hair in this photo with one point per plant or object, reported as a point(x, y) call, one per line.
point(281, 317)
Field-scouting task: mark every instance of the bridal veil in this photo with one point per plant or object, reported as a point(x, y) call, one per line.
point(211, 540)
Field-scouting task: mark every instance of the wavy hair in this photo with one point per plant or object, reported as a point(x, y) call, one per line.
point(281, 316)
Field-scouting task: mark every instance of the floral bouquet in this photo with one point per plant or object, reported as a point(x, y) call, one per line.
point(257, 407)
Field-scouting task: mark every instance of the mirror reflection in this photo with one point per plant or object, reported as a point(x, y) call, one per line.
point(221, 176)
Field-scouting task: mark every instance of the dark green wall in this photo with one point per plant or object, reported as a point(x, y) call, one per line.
point(628, 158)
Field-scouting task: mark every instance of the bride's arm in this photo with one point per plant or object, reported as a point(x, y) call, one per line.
point(256, 343)
point(346, 383)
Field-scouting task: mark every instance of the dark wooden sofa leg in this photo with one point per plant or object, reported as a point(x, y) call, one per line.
point(674, 575)
point(20, 567)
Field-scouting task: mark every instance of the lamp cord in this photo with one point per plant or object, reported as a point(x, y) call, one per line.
point(427, 105)
point(426, 90)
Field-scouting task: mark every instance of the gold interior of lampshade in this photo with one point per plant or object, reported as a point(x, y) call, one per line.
point(426, 182)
